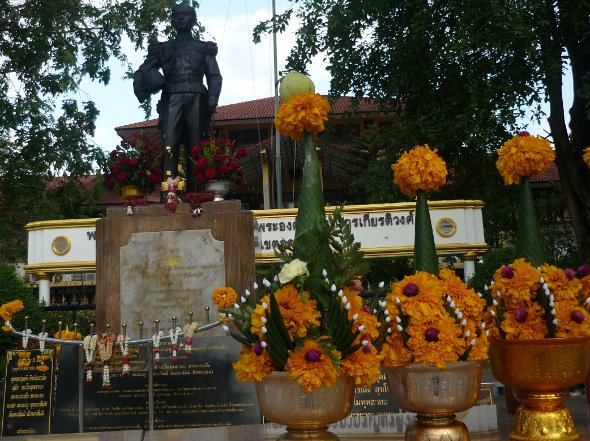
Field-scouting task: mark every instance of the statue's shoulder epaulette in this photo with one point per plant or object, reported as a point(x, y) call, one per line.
point(208, 47)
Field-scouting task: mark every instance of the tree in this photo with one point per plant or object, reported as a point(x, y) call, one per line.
point(461, 73)
point(46, 49)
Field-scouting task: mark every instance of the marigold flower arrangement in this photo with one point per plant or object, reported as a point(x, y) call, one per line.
point(530, 299)
point(309, 319)
point(433, 317)
point(586, 156)
point(217, 158)
point(137, 162)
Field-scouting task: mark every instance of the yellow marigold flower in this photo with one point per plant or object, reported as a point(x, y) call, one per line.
point(363, 365)
point(482, 344)
point(302, 114)
point(252, 367)
point(419, 169)
point(517, 282)
point(298, 315)
point(586, 156)
point(225, 297)
point(524, 323)
point(436, 342)
point(311, 367)
point(560, 285)
point(6, 328)
point(364, 316)
point(421, 297)
point(524, 155)
point(466, 299)
point(256, 322)
point(585, 281)
point(393, 351)
point(7, 310)
point(572, 320)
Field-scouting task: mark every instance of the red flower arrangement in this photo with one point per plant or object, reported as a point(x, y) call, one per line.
point(135, 162)
point(216, 159)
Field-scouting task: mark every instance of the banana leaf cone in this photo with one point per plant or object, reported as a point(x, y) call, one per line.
point(311, 243)
point(425, 258)
point(529, 240)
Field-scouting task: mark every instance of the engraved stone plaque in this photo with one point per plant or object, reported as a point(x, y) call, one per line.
point(169, 273)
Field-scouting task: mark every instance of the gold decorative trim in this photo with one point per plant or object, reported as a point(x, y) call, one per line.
point(374, 208)
point(406, 251)
point(57, 247)
point(62, 267)
point(446, 227)
point(62, 223)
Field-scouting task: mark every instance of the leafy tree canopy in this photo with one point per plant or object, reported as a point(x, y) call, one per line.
point(460, 74)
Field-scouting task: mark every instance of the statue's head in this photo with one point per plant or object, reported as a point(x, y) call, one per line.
point(184, 17)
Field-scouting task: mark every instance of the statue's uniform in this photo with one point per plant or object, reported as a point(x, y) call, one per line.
point(183, 107)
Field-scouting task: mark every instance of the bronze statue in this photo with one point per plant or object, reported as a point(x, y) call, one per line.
point(186, 105)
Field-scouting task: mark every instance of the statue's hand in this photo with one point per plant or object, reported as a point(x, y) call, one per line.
point(212, 102)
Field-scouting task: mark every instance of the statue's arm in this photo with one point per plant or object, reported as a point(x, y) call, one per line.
point(148, 79)
point(212, 74)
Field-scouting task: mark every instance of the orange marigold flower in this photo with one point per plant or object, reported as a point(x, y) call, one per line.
point(363, 365)
point(7, 310)
point(466, 299)
point(586, 156)
point(482, 344)
point(420, 295)
point(419, 169)
point(363, 314)
point(311, 367)
point(560, 284)
point(524, 155)
point(298, 314)
point(436, 342)
point(572, 320)
point(517, 282)
point(225, 297)
point(393, 351)
point(252, 367)
point(306, 113)
point(524, 323)
point(585, 281)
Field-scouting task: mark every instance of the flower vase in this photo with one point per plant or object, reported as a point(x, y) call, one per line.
point(306, 414)
point(435, 395)
point(129, 192)
point(540, 373)
point(219, 188)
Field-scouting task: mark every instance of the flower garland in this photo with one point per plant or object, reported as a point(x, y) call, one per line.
point(174, 333)
point(105, 349)
point(189, 331)
point(156, 341)
point(42, 336)
point(89, 348)
point(172, 199)
point(42, 367)
point(124, 345)
point(524, 155)
point(419, 169)
point(196, 199)
point(302, 114)
point(26, 334)
point(586, 156)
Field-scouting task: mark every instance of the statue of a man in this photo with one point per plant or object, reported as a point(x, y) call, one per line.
point(186, 105)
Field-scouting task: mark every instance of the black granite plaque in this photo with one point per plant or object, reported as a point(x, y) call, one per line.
point(201, 389)
point(375, 400)
point(65, 408)
point(28, 384)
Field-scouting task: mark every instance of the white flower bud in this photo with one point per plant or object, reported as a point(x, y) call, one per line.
point(387, 319)
point(344, 299)
point(264, 305)
point(361, 328)
point(483, 325)
point(386, 312)
point(399, 328)
point(553, 311)
point(381, 284)
point(340, 293)
point(243, 299)
point(468, 334)
point(485, 287)
point(452, 304)
point(333, 288)
point(473, 342)
point(383, 303)
point(236, 306)
point(495, 302)
point(397, 319)
point(365, 342)
point(263, 344)
point(389, 331)
point(247, 292)
point(255, 286)
point(326, 280)
point(263, 319)
point(347, 306)
point(225, 328)
point(355, 317)
point(542, 280)
point(264, 330)
point(397, 300)
point(551, 297)
point(480, 295)
point(551, 303)
point(324, 273)
point(554, 321)
point(460, 315)
point(464, 322)
point(493, 313)
point(266, 283)
point(449, 299)
point(492, 283)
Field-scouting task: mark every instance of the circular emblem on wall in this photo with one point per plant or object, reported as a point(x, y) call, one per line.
point(61, 245)
point(446, 227)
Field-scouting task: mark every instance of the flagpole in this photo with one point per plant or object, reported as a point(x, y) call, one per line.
point(278, 165)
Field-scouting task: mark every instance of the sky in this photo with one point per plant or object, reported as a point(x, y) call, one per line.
point(247, 68)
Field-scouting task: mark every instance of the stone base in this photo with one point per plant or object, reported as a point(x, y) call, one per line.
point(155, 264)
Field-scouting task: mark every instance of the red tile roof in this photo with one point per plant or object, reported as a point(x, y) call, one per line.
point(264, 109)
point(550, 175)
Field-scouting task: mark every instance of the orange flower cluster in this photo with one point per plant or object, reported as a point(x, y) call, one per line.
point(586, 156)
point(225, 297)
point(528, 303)
point(437, 320)
point(306, 113)
point(524, 155)
point(7, 310)
point(419, 169)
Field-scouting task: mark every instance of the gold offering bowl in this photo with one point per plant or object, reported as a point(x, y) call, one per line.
point(435, 395)
point(540, 372)
point(131, 192)
point(306, 415)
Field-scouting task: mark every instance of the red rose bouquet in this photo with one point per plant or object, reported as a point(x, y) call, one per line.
point(135, 162)
point(216, 158)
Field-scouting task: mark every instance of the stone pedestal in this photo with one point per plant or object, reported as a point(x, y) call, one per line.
point(155, 264)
